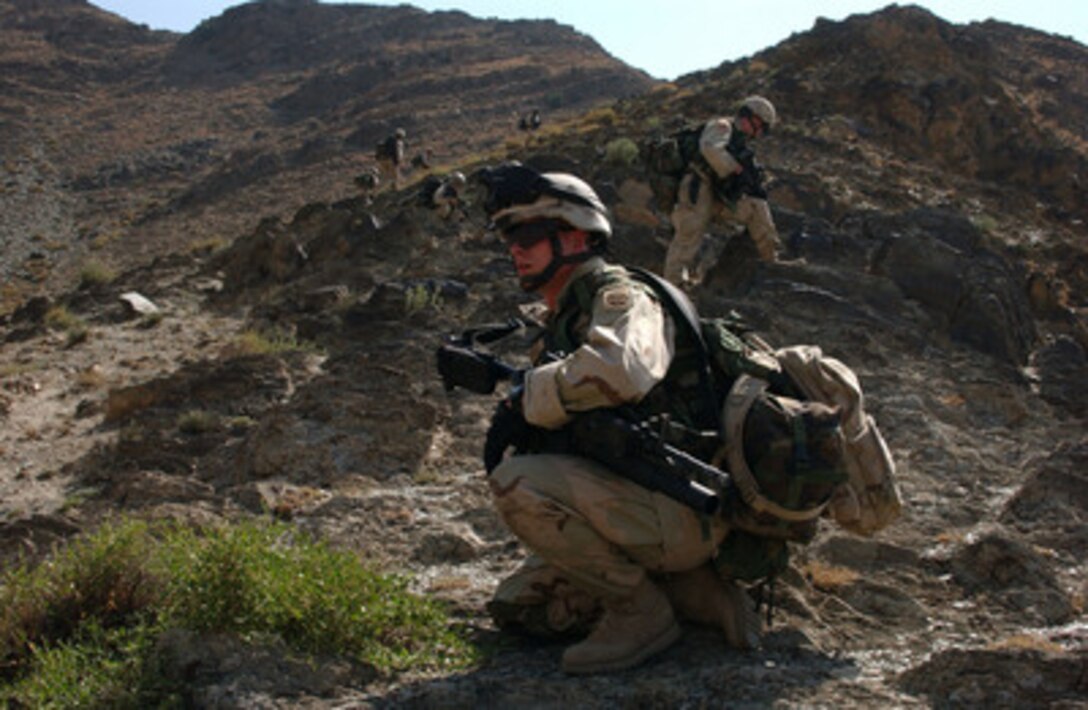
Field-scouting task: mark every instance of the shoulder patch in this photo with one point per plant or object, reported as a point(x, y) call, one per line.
point(616, 298)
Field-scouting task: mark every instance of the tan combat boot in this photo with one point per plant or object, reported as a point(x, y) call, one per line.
point(632, 629)
point(702, 596)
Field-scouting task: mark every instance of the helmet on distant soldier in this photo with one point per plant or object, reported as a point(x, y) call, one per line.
point(456, 178)
point(400, 133)
point(759, 106)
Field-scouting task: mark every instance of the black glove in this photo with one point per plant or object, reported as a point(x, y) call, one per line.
point(463, 367)
point(508, 428)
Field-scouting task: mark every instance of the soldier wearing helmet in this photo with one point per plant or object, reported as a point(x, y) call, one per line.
point(609, 557)
point(367, 182)
point(390, 154)
point(723, 180)
point(446, 197)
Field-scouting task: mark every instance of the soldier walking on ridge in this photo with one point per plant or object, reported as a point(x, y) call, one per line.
point(390, 154)
point(723, 180)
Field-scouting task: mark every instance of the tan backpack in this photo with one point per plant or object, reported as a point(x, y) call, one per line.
point(869, 500)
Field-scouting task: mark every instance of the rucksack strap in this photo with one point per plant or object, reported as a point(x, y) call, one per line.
point(683, 312)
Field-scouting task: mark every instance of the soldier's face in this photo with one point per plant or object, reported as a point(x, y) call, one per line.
point(531, 259)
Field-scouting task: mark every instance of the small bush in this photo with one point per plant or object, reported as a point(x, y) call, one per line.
point(60, 318)
point(271, 342)
point(622, 152)
point(827, 578)
point(419, 297)
point(79, 630)
point(206, 246)
point(95, 273)
point(198, 421)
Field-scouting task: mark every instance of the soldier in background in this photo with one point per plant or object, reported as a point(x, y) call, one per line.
point(446, 198)
point(390, 154)
point(530, 124)
point(722, 180)
point(367, 182)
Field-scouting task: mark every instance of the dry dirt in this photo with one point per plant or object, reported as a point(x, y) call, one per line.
point(973, 598)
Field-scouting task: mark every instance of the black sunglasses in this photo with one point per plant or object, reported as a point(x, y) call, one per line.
point(526, 234)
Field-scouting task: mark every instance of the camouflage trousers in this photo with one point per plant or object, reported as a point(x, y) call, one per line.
point(593, 535)
point(390, 172)
point(690, 220)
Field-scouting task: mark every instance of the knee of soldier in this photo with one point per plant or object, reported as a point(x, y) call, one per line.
point(517, 483)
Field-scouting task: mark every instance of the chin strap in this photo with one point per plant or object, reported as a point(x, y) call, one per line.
point(536, 281)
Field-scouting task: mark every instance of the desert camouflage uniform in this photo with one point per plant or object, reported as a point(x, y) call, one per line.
point(447, 200)
point(594, 534)
point(691, 216)
point(390, 165)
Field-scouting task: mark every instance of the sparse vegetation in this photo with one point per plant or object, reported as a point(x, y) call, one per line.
point(420, 297)
point(985, 223)
point(91, 378)
point(80, 629)
point(206, 246)
point(622, 152)
point(151, 320)
point(1026, 642)
point(239, 425)
point(828, 578)
point(60, 318)
point(13, 369)
point(269, 342)
point(95, 273)
point(198, 421)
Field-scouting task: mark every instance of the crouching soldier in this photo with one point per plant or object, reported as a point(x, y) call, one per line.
point(446, 198)
point(367, 183)
point(609, 558)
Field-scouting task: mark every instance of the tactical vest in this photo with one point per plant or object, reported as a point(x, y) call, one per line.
point(686, 397)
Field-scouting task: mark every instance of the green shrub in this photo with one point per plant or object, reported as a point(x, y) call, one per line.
point(79, 630)
point(198, 421)
point(270, 342)
point(60, 318)
point(621, 151)
point(95, 273)
point(419, 297)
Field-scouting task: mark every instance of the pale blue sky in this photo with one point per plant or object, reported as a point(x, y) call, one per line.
point(667, 38)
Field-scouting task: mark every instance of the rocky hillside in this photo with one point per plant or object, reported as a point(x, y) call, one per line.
point(121, 144)
point(926, 181)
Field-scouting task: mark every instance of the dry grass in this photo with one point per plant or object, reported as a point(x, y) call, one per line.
point(1026, 642)
point(91, 378)
point(828, 578)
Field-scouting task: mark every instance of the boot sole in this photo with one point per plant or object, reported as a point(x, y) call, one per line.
point(665, 639)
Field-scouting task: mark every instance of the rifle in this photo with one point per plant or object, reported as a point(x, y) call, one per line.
point(748, 182)
point(629, 447)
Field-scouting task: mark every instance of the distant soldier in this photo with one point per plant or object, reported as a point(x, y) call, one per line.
point(529, 124)
point(723, 180)
point(444, 196)
point(367, 183)
point(390, 156)
point(422, 161)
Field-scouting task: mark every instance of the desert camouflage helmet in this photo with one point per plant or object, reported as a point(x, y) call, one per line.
point(400, 133)
point(456, 178)
point(762, 108)
point(521, 195)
